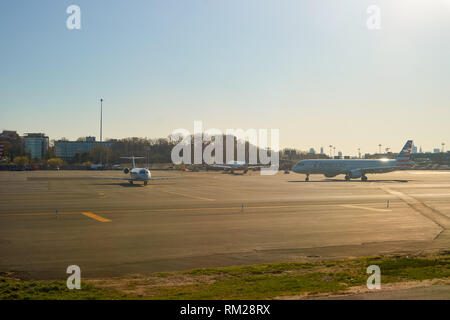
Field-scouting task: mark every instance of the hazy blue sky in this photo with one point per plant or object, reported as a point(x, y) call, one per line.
point(310, 68)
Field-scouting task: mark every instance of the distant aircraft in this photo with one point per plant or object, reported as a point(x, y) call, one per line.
point(236, 165)
point(137, 174)
point(354, 169)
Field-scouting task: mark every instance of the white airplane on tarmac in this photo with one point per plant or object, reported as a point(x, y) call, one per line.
point(232, 166)
point(138, 174)
point(354, 169)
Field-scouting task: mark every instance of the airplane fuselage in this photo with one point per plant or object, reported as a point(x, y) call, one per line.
point(140, 174)
point(335, 167)
point(351, 168)
point(137, 174)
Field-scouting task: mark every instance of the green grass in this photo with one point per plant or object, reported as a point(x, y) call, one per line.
point(271, 268)
point(254, 287)
point(263, 281)
point(268, 281)
point(12, 289)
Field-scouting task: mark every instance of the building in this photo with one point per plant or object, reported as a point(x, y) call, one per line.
point(12, 144)
point(8, 135)
point(67, 150)
point(414, 149)
point(428, 158)
point(36, 144)
point(290, 154)
point(311, 150)
point(436, 150)
point(321, 150)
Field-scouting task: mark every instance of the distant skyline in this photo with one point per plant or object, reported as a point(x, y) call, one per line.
point(309, 68)
point(310, 150)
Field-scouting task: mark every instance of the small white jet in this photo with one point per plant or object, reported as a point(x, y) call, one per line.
point(231, 166)
point(138, 174)
point(354, 169)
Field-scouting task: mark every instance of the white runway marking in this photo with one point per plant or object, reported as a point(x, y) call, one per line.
point(430, 195)
point(102, 195)
point(365, 208)
point(437, 217)
point(429, 172)
point(186, 195)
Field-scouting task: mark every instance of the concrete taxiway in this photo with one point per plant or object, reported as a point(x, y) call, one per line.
point(52, 219)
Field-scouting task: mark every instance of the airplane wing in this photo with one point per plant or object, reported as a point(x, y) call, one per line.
point(227, 166)
point(222, 166)
point(378, 169)
point(111, 178)
point(163, 178)
point(134, 179)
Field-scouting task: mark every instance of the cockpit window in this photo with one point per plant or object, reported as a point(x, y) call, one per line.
point(143, 171)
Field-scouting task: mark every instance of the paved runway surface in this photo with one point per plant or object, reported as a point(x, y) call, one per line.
point(110, 228)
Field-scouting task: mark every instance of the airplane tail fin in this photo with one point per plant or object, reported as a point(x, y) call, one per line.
point(403, 158)
point(132, 158)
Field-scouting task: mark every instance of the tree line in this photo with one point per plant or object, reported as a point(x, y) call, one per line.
point(153, 150)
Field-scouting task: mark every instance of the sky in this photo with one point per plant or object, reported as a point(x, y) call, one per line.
point(311, 69)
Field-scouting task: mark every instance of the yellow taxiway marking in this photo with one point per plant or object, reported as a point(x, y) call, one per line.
point(94, 216)
point(365, 208)
point(187, 195)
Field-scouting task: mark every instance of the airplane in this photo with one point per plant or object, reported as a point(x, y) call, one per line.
point(137, 174)
point(357, 168)
point(231, 166)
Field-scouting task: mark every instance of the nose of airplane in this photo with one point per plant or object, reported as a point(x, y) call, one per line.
point(298, 167)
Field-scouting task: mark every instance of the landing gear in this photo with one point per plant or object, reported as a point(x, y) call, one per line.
point(131, 182)
point(363, 178)
point(347, 177)
point(307, 178)
point(145, 183)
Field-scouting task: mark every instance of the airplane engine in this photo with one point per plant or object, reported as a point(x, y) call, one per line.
point(329, 175)
point(355, 174)
point(126, 170)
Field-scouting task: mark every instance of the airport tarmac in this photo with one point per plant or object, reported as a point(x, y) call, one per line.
point(205, 219)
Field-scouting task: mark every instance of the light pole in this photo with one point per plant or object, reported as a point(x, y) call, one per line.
point(379, 146)
point(443, 146)
point(331, 146)
point(101, 137)
point(359, 153)
point(148, 156)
